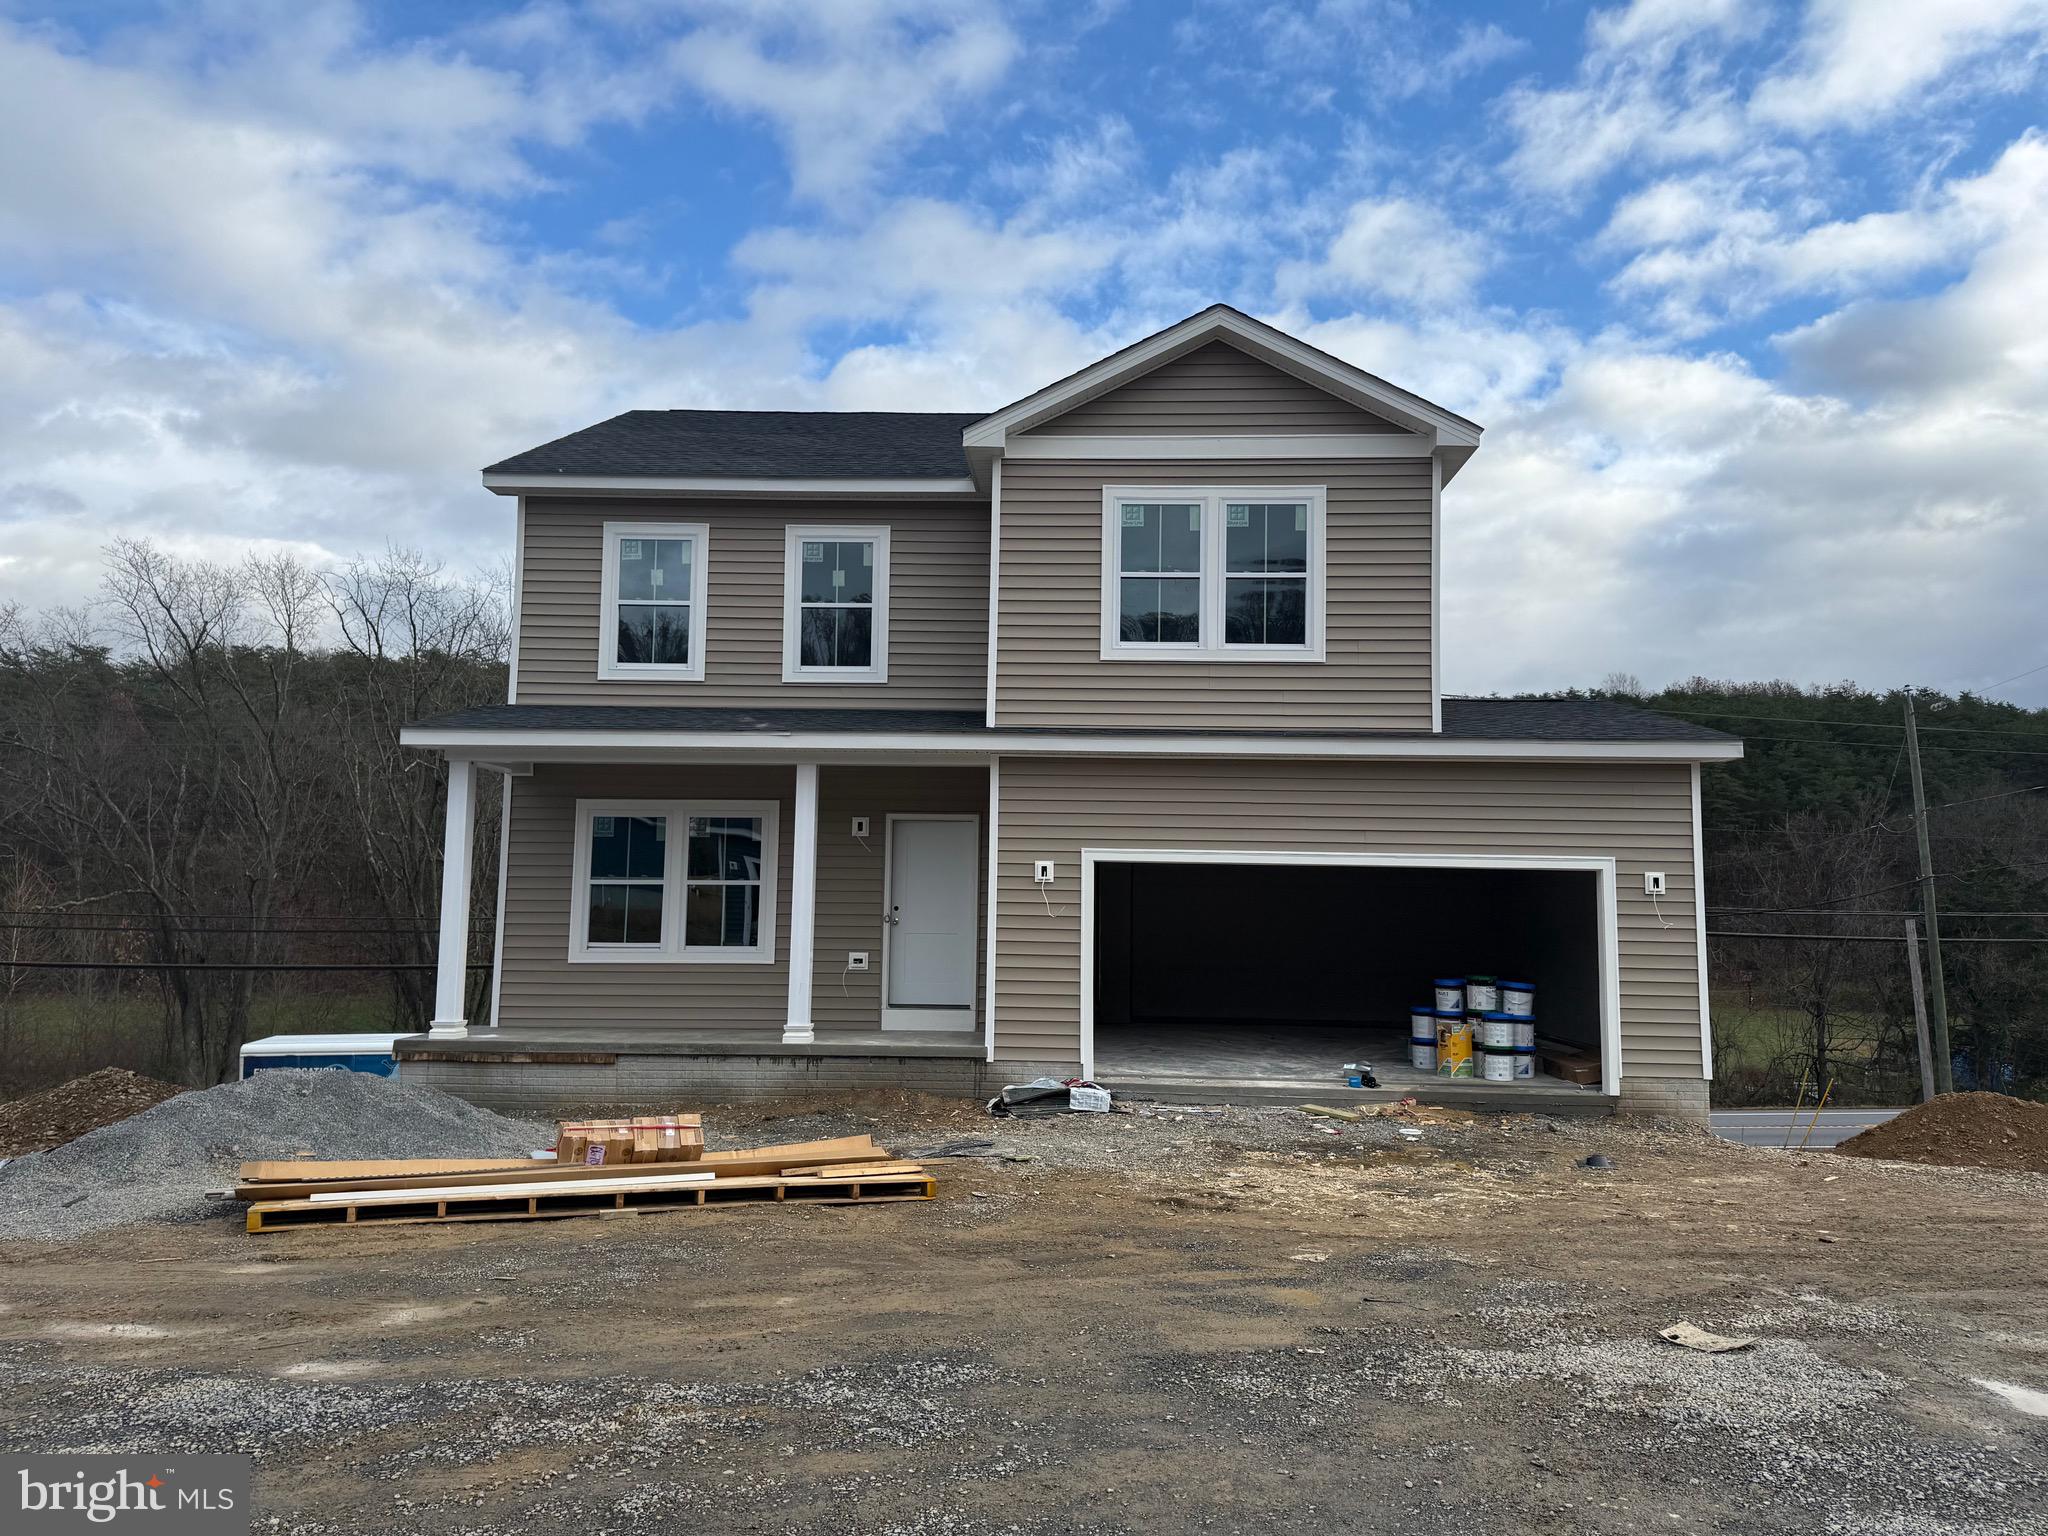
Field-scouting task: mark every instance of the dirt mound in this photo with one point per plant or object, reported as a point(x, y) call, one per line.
point(1962, 1130)
point(57, 1115)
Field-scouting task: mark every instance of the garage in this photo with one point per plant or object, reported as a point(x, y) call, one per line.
point(1248, 968)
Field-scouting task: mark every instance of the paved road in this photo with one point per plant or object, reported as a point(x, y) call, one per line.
point(1768, 1127)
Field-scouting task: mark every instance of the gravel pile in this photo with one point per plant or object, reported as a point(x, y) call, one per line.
point(157, 1165)
point(60, 1114)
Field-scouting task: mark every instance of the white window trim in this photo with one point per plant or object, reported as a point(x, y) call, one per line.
point(609, 667)
point(672, 950)
point(793, 671)
point(1211, 498)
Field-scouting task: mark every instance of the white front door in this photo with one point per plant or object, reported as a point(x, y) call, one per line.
point(928, 929)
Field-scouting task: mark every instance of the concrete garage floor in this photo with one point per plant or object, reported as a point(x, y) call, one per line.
point(1246, 1321)
point(1284, 1062)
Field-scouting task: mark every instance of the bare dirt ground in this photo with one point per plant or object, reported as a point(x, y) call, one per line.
point(1223, 1321)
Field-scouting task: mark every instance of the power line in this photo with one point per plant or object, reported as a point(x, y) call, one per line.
point(1901, 885)
point(1885, 746)
point(1863, 938)
point(210, 965)
point(2017, 676)
point(1858, 725)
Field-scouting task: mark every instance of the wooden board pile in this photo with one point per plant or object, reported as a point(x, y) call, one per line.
point(849, 1170)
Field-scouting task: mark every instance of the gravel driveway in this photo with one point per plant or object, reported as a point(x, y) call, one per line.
point(1155, 1322)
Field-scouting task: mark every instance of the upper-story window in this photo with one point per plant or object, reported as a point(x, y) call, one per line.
point(1216, 573)
point(835, 606)
point(651, 620)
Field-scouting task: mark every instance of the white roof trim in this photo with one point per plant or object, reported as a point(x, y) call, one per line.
point(1261, 341)
point(720, 485)
point(621, 746)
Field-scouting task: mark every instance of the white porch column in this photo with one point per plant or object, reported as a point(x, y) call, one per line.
point(451, 974)
point(803, 905)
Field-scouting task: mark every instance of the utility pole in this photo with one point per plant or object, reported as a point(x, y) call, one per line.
point(1944, 1077)
point(1919, 1009)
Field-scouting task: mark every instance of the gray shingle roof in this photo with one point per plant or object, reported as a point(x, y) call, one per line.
point(758, 444)
point(1505, 720)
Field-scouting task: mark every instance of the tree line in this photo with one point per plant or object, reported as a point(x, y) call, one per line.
point(200, 775)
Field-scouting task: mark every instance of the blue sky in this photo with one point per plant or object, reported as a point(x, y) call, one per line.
point(1752, 298)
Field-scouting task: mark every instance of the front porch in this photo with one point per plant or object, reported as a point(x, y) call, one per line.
point(724, 906)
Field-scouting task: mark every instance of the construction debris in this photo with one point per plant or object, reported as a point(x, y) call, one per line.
point(1686, 1336)
point(841, 1170)
point(1051, 1096)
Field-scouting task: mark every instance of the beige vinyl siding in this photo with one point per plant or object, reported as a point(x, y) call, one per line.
point(938, 608)
point(543, 990)
point(1214, 388)
point(850, 898)
point(1376, 670)
point(1639, 815)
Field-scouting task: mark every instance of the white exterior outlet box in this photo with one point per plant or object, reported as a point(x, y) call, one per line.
point(860, 826)
point(1041, 872)
point(1653, 882)
point(856, 959)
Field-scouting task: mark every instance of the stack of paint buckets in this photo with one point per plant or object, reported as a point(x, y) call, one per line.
point(1479, 1027)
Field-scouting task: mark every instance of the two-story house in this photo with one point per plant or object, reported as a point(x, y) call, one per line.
point(1100, 734)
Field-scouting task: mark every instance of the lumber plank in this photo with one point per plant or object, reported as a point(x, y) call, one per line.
point(308, 1170)
point(738, 1161)
point(498, 1205)
point(854, 1170)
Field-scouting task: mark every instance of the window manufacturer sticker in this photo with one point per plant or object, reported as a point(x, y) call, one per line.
point(867, 554)
point(838, 579)
point(1301, 519)
point(601, 826)
point(629, 550)
point(814, 553)
point(1240, 517)
point(1134, 517)
point(654, 577)
point(1194, 519)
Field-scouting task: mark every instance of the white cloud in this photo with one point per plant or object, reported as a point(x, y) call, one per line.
point(1710, 255)
point(1479, 48)
point(844, 84)
point(1861, 59)
point(1397, 249)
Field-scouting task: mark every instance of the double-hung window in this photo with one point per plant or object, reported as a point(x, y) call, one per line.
point(1223, 573)
point(660, 880)
point(835, 605)
point(652, 609)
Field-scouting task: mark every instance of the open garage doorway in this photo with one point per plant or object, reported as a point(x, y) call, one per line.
point(1247, 968)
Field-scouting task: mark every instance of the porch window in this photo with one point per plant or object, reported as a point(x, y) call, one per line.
point(1213, 573)
point(674, 881)
point(652, 605)
point(835, 612)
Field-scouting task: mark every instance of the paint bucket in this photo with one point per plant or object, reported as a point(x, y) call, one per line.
point(1421, 1021)
point(1497, 1031)
point(1525, 1062)
point(1422, 1054)
point(1497, 1066)
point(1518, 998)
point(1481, 995)
point(1525, 1034)
point(1453, 1045)
point(1450, 992)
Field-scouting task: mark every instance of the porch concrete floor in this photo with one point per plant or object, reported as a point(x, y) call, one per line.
point(1303, 1057)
